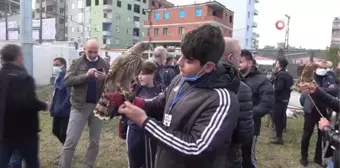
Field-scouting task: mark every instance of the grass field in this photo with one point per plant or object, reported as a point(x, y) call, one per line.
point(113, 151)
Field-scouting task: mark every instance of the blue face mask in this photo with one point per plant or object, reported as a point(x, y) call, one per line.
point(57, 70)
point(193, 77)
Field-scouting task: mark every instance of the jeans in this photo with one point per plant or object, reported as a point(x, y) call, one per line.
point(141, 149)
point(330, 165)
point(27, 146)
point(16, 158)
point(77, 122)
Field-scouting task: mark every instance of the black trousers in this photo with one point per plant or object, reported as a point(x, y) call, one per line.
point(311, 119)
point(249, 154)
point(27, 147)
point(279, 116)
point(59, 128)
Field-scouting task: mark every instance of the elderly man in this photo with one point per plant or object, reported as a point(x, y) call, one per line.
point(159, 56)
point(86, 77)
point(245, 123)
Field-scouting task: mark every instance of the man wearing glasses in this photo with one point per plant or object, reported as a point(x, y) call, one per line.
point(86, 77)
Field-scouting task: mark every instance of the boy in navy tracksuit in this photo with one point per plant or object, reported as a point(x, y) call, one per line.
point(60, 106)
point(142, 149)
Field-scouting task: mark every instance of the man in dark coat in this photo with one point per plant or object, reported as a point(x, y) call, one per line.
point(283, 82)
point(19, 107)
point(263, 101)
point(245, 125)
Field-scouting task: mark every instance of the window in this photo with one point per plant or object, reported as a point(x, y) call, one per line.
point(143, 34)
point(181, 30)
point(88, 2)
point(247, 28)
point(136, 19)
point(198, 12)
point(80, 4)
point(117, 41)
point(157, 16)
point(160, 5)
point(117, 29)
point(143, 11)
point(165, 31)
point(135, 32)
point(61, 10)
point(181, 14)
point(144, 1)
point(80, 17)
point(129, 7)
point(72, 6)
point(119, 3)
point(155, 32)
point(96, 2)
point(153, 3)
point(128, 31)
point(118, 16)
point(136, 8)
point(231, 19)
point(129, 19)
point(166, 15)
point(61, 21)
point(248, 14)
point(72, 29)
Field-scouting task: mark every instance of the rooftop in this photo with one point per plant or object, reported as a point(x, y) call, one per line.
point(14, 6)
point(211, 4)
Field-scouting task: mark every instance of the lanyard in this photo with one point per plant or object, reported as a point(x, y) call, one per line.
point(179, 96)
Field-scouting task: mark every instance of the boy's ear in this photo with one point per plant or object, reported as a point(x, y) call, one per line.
point(209, 67)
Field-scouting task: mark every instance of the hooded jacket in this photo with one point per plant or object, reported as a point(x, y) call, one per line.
point(196, 131)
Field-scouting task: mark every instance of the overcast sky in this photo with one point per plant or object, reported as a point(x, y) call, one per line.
point(311, 21)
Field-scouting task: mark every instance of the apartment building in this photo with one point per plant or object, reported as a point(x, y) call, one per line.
point(54, 9)
point(336, 32)
point(167, 26)
point(244, 22)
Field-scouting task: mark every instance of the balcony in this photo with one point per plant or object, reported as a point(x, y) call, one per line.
point(256, 12)
point(254, 25)
point(107, 7)
point(106, 33)
point(107, 20)
point(214, 18)
point(51, 2)
point(255, 35)
point(136, 24)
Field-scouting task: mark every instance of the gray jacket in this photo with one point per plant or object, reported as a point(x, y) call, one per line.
point(77, 79)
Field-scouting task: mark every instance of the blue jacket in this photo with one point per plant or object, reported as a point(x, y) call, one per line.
point(61, 106)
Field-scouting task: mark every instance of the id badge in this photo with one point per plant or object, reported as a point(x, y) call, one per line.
point(167, 120)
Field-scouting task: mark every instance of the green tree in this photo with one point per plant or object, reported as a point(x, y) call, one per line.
point(332, 55)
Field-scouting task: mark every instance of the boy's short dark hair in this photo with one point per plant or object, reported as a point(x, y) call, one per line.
point(61, 60)
point(169, 58)
point(204, 43)
point(10, 52)
point(247, 55)
point(283, 62)
point(149, 68)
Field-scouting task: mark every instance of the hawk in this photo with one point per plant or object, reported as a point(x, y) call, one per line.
point(123, 70)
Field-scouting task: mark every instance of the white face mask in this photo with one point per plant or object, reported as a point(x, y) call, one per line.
point(321, 71)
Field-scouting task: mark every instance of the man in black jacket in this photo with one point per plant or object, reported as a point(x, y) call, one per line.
point(263, 101)
point(245, 123)
point(282, 82)
point(19, 107)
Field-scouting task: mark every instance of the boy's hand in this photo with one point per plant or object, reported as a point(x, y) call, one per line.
point(133, 112)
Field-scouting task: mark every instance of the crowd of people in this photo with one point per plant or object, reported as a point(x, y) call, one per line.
point(202, 110)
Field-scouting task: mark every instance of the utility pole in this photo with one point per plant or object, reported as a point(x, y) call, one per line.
point(6, 17)
point(26, 34)
point(40, 17)
point(286, 43)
